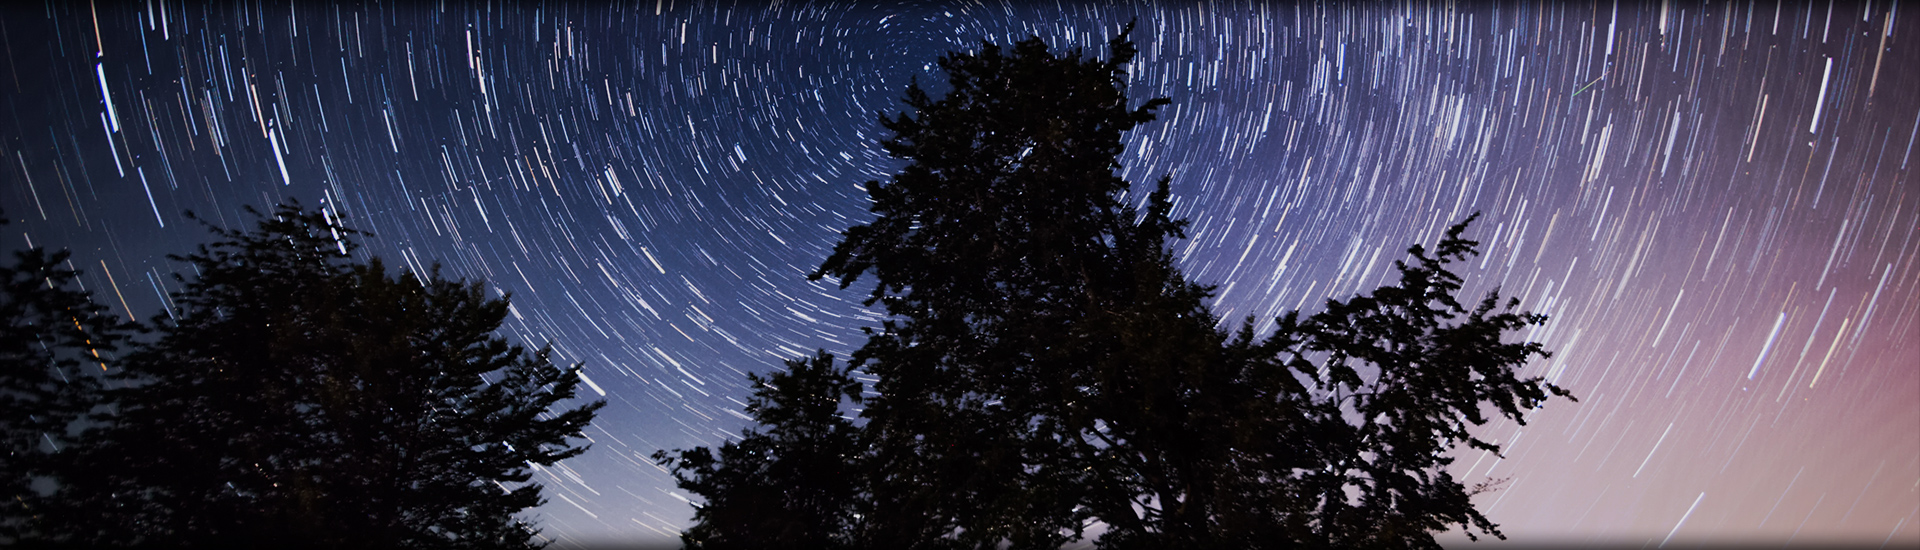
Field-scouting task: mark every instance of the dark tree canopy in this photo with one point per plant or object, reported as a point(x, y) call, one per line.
point(791, 486)
point(1006, 229)
point(1046, 368)
point(304, 398)
point(54, 344)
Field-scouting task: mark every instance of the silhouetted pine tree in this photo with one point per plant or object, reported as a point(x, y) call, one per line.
point(304, 398)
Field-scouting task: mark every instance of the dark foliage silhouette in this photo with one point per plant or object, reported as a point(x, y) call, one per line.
point(1002, 236)
point(299, 397)
point(791, 485)
point(54, 345)
point(1045, 367)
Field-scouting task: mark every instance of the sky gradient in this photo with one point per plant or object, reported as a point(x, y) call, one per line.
point(1714, 203)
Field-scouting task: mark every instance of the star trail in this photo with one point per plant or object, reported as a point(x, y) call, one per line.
point(1715, 203)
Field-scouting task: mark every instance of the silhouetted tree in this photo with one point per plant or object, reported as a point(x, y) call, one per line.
point(1332, 432)
point(790, 486)
point(304, 398)
point(1045, 365)
point(1005, 230)
point(54, 343)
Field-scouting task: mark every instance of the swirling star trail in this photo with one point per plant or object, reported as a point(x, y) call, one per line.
point(1715, 203)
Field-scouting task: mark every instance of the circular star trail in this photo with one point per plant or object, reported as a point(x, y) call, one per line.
point(1714, 203)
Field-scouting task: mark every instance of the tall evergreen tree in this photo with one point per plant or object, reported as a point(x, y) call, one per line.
point(303, 398)
point(54, 345)
point(1045, 366)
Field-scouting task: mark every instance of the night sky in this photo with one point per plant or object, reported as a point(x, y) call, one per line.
point(1715, 204)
